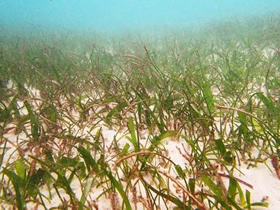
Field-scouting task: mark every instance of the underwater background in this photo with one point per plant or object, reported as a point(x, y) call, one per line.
point(114, 16)
point(148, 104)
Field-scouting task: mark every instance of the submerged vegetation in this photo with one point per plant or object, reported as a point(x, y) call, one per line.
point(88, 120)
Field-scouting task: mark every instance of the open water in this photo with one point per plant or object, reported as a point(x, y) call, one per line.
point(113, 16)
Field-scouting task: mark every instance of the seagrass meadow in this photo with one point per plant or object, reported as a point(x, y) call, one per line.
point(140, 122)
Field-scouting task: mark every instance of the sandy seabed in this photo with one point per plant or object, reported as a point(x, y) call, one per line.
point(265, 185)
point(261, 180)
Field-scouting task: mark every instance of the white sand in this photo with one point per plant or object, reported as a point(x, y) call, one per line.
point(265, 183)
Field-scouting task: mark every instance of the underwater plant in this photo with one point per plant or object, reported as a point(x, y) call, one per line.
point(165, 125)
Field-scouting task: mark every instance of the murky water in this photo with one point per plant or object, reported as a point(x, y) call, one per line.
point(123, 15)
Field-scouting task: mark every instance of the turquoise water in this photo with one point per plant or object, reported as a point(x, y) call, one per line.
point(120, 15)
